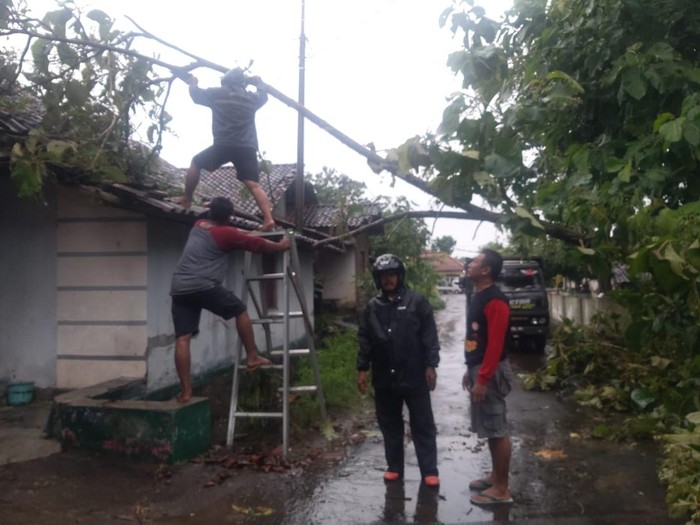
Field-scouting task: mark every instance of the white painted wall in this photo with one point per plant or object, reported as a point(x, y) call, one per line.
point(101, 291)
point(337, 273)
point(27, 287)
point(84, 294)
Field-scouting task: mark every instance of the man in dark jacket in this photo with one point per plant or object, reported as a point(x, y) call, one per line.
point(398, 340)
point(488, 378)
point(233, 110)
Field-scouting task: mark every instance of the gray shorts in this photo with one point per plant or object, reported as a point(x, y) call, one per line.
point(488, 419)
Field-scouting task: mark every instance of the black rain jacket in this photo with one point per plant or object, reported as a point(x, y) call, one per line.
point(398, 339)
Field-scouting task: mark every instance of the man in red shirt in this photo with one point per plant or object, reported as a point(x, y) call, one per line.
point(488, 377)
point(197, 284)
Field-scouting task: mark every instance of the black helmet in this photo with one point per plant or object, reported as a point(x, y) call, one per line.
point(388, 262)
point(233, 77)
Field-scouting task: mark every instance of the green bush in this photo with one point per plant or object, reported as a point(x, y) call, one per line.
point(337, 355)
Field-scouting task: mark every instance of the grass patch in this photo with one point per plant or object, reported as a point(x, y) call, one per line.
point(337, 356)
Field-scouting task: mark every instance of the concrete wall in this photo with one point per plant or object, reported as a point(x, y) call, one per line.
point(84, 294)
point(337, 273)
point(581, 308)
point(101, 290)
point(27, 287)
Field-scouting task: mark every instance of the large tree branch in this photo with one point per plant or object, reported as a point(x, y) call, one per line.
point(378, 163)
point(436, 214)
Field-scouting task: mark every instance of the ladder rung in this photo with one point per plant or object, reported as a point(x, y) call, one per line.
point(265, 277)
point(276, 318)
point(243, 368)
point(258, 414)
point(295, 351)
point(301, 389)
point(280, 315)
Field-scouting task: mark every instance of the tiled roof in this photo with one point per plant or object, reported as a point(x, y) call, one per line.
point(327, 216)
point(19, 114)
point(224, 182)
point(442, 262)
point(164, 180)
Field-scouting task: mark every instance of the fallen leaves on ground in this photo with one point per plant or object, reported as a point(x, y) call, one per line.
point(550, 454)
point(253, 511)
point(270, 461)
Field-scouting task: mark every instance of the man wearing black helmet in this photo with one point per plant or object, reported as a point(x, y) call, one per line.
point(398, 341)
point(235, 137)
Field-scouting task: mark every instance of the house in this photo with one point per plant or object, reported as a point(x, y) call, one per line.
point(86, 274)
point(448, 268)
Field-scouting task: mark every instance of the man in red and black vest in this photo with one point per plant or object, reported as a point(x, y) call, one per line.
point(488, 377)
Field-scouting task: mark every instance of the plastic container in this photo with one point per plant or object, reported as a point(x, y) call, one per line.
point(20, 393)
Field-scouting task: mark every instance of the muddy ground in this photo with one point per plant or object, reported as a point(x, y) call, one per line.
point(559, 473)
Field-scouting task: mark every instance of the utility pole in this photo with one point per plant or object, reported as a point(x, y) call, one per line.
point(299, 189)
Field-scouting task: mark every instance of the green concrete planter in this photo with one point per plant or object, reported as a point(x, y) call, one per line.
point(20, 393)
point(98, 418)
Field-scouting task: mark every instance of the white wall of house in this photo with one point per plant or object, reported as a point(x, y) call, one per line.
point(27, 287)
point(84, 294)
point(101, 291)
point(337, 273)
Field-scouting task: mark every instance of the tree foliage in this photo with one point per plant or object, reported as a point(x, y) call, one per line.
point(102, 100)
point(586, 114)
point(445, 244)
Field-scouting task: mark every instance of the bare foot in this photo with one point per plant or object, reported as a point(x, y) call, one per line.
point(183, 397)
point(185, 202)
point(257, 363)
point(268, 226)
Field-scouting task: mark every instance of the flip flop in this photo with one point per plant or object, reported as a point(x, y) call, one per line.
point(486, 500)
point(480, 484)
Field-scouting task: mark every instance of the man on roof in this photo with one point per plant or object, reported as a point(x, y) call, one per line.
point(233, 110)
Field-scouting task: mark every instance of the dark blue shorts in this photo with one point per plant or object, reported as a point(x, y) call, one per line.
point(187, 309)
point(244, 158)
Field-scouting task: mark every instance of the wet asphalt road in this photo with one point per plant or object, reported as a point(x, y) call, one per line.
point(591, 481)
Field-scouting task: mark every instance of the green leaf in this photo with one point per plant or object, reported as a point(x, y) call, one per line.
point(691, 133)
point(27, 177)
point(500, 166)
point(522, 212)
point(58, 19)
point(672, 131)
point(625, 174)
point(57, 148)
point(613, 164)
point(68, 55)
point(661, 119)
point(586, 251)
point(104, 21)
point(642, 397)
point(694, 418)
point(569, 81)
point(40, 53)
point(634, 83)
point(77, 93)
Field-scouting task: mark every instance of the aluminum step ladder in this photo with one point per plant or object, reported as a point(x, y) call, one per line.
point(252, 288)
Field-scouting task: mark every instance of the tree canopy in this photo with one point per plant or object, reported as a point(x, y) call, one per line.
point(584, 115)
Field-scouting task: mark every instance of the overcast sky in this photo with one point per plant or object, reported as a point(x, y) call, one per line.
point(375, 70)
